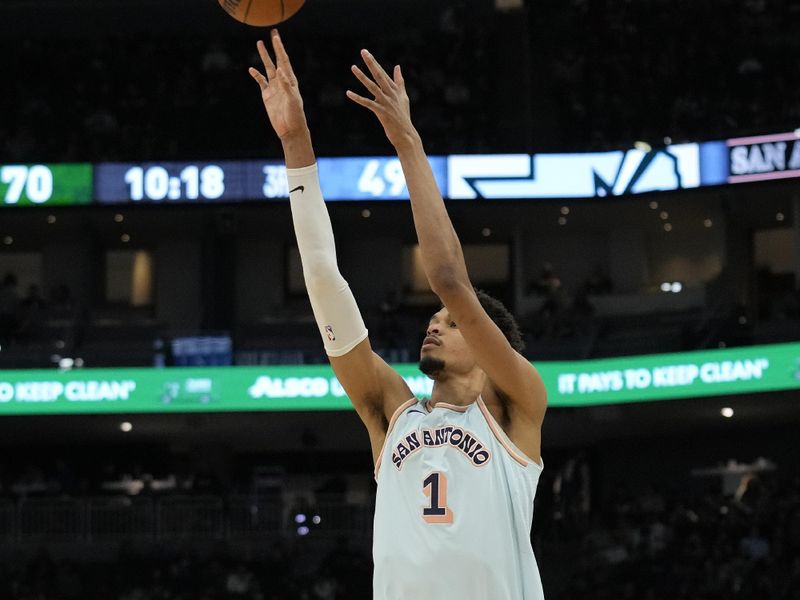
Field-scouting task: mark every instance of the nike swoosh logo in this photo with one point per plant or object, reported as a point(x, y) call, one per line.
point(299, 187)
point(417, 411)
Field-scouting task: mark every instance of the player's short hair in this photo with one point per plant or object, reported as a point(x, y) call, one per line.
point(503, 318)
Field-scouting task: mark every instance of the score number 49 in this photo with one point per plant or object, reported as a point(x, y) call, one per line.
point(36, 182)
point(380, 174)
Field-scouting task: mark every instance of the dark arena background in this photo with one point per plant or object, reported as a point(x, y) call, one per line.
point(623, 174)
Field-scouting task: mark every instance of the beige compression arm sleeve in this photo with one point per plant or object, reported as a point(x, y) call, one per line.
point(335, 310)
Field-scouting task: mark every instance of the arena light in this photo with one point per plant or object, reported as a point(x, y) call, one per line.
point(643, 146)
point(726, 412)
point(126, 426)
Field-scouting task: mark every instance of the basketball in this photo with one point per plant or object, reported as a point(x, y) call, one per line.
point(261, 13)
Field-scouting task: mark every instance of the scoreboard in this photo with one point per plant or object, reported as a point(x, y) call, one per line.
point(459, 177)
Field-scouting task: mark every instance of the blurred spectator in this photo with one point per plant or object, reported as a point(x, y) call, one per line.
point(547, 283)
point(551, 316)
point(598, 282)
point(9, 308)
point(239, 581)
point(61, 299)
point(31, 310)
point(754, 546)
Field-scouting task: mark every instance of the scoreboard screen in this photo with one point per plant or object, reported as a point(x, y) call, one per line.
point(481, 177)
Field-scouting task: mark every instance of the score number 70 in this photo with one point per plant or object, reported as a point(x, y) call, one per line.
point(36, 181)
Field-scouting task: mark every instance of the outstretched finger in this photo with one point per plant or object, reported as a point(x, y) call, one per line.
point(281, 56)
point(260, 79)
point(398, 77)
point(377, 71)
point(371, 86)
point(269, 66)
point(365, 102)
point(283, 78)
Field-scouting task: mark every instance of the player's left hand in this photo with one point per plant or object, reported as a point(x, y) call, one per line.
point(390, 103)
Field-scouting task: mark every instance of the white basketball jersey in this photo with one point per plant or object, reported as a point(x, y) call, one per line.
point(454, 508)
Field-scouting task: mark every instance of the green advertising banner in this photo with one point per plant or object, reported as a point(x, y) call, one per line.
point(314, 387)
point(46, 185)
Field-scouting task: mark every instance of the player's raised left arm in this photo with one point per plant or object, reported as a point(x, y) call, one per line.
point(442, 256)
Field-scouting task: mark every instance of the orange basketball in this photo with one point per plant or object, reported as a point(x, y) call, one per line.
point(261, 13)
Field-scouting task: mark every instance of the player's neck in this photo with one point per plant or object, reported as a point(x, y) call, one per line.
point(460, 390)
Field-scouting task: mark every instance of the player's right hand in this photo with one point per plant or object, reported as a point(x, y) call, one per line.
point(279, 90)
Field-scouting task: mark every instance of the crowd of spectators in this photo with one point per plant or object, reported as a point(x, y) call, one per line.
point(604, 74)
point(64, 478)
point(149, 471)
point(558, 321)
point(189, 97)
point(648, 542)
point(689, 71)
point(653, 544)
point(283, 571)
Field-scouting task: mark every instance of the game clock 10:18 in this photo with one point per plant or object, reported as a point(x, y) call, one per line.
point(43, 184)
point(184, 182)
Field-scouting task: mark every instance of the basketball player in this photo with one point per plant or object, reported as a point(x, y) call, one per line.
point(457, 473)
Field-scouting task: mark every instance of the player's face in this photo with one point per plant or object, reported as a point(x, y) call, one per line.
point(444, 346)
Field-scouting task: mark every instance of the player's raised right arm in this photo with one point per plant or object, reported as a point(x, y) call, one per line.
point(374, 388)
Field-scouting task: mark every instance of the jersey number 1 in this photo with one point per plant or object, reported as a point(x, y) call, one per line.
point(435, 487)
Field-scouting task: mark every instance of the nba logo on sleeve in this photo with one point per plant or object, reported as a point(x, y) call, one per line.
point(329, 333)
